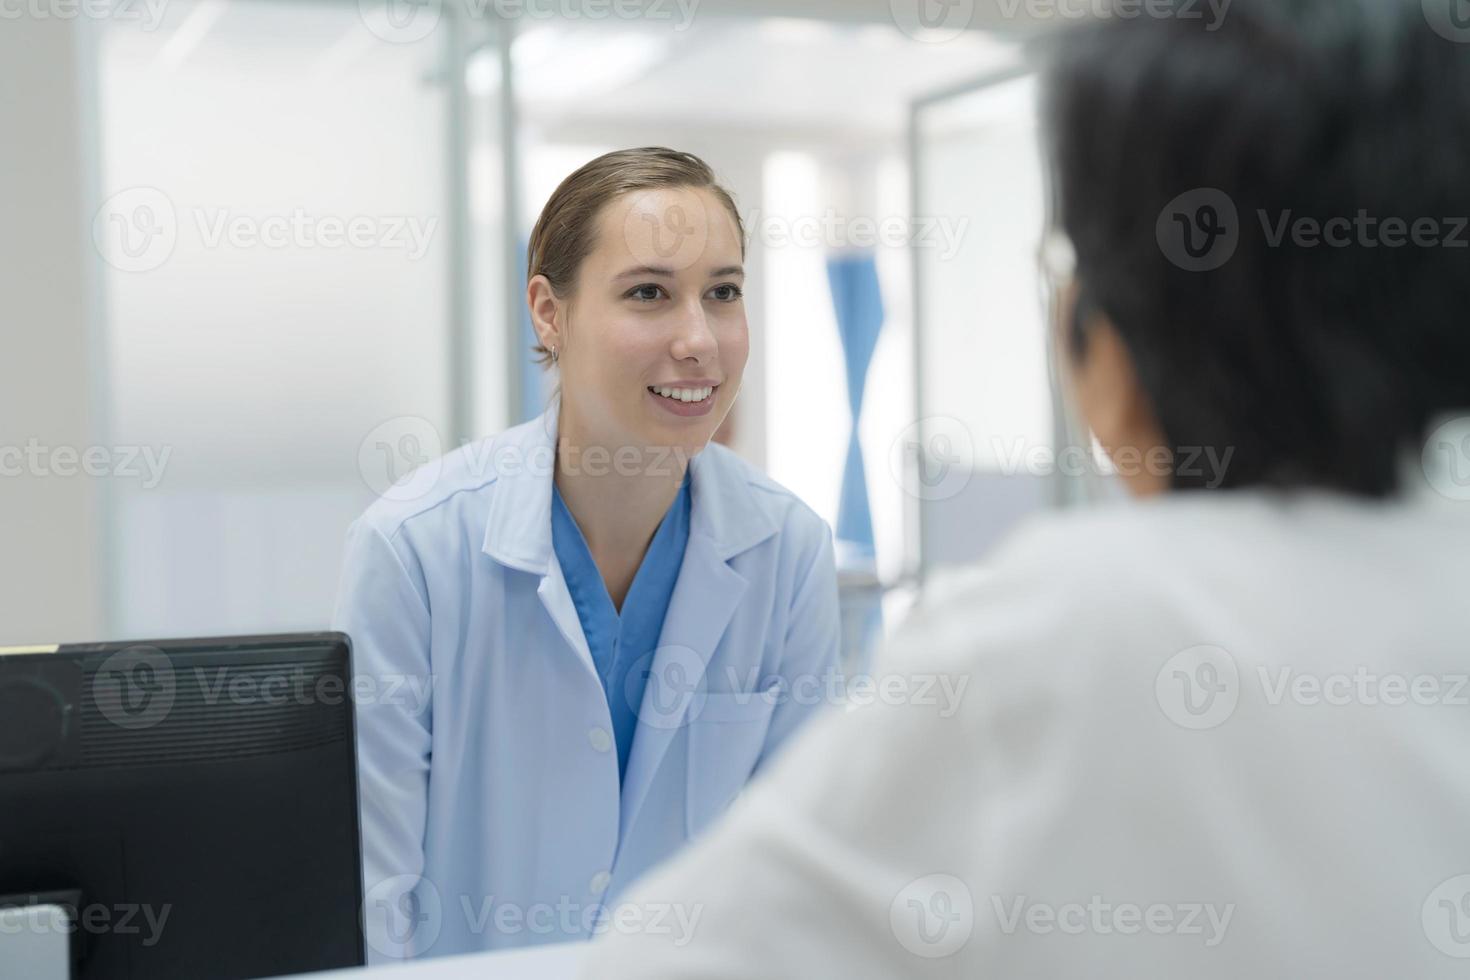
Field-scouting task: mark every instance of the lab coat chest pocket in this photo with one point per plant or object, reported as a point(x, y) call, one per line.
point(726, 735)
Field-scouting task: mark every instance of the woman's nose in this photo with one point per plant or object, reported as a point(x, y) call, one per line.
point(694, 339)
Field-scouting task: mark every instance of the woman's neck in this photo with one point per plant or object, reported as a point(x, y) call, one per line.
point(617, 506)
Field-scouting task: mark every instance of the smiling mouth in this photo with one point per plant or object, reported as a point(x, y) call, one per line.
point(686, 395)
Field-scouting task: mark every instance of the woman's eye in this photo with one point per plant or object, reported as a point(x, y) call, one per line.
point(728, 293)
point(646, 293)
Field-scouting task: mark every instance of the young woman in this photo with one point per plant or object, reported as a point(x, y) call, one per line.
point(617, 621)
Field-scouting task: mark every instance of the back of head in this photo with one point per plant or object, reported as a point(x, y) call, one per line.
point(1271, 207)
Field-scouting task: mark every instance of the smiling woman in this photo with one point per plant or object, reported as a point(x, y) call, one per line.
point(609, 642)
point(644, 250)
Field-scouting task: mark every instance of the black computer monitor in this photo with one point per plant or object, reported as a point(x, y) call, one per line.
point(192, 803)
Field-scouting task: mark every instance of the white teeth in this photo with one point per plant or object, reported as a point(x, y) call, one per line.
point(686, 394)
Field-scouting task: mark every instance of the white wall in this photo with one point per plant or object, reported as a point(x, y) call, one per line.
point(49, 577)
point(274, 366)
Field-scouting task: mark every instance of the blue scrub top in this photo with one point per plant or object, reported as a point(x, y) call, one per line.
point(617, 642)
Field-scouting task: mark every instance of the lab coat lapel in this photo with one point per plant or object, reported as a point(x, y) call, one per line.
point(518, 532)
point(557, 599)
point(704, 601)
point(724, 522)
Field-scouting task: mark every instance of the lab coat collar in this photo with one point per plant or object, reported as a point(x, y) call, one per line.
point(724, 509)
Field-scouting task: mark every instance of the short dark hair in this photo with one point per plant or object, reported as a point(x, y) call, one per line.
point(1320, 366)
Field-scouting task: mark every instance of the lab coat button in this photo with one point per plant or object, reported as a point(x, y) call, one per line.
point(599, 882)
point(600, 739)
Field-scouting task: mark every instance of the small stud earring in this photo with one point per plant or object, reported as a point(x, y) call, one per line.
point(555, 357)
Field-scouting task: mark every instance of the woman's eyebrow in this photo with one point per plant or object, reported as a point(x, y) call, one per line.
point(646, 270)
point(662, 272)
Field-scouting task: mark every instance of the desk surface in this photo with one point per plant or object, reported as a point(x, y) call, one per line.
point(559, 962)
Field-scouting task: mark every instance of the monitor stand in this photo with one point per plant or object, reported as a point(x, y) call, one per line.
point(35, 943)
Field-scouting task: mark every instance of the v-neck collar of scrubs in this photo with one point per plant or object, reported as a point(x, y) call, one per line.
point(619, 642)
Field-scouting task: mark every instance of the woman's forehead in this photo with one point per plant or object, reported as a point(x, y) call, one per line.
point(677, 229)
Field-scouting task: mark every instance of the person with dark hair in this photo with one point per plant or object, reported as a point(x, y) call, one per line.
point(1327, 328)
point(1218, 729)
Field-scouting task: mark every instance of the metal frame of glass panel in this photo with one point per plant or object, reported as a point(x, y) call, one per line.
point(1064, 490)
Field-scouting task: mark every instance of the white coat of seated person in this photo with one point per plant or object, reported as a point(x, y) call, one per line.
point(1204, 735)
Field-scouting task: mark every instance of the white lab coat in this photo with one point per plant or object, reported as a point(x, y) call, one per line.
point(1164, 764)
point(491, 809)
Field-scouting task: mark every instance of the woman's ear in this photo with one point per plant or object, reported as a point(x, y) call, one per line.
point(544, 305)
point(1115, 406)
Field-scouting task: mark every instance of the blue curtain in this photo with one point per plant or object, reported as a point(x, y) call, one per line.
point(858, 302)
